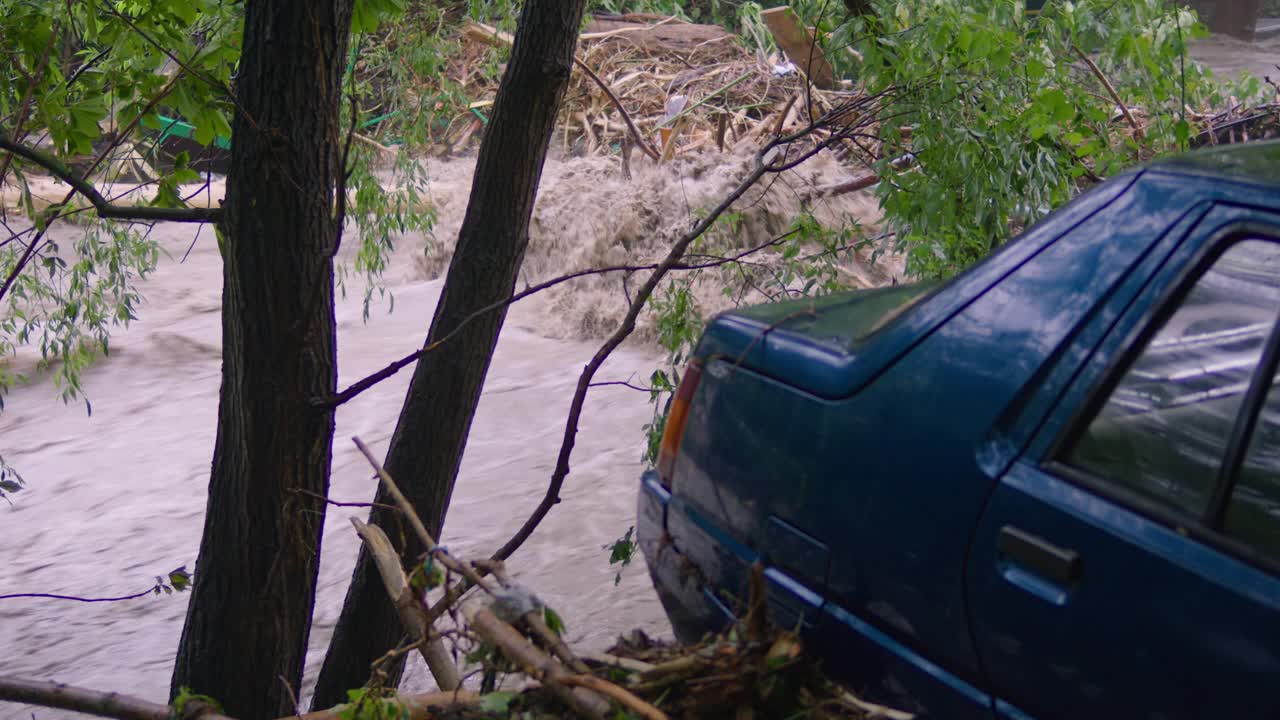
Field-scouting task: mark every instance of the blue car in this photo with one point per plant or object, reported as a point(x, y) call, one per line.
point(1047, 488)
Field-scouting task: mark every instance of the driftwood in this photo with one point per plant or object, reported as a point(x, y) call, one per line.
point(483, 33)
point(412, 615)
point(93, 702)
point(589, 703)
point(536, 663)
point(125, 707)
point(799, 45)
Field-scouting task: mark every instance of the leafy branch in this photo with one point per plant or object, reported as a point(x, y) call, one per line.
point(104, 207)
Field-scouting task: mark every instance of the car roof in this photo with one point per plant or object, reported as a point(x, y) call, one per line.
point(1256, 163)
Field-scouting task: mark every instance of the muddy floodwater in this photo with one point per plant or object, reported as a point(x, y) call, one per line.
point(118, 497)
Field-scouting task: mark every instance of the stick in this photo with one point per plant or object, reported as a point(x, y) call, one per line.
point(536, 663)
point(90, 702)
point(394, 490)
point(420, 707)
point(463, 569)
point(613, 661)
point(412, 614)
point(623, 31)
point(1097, 71)
point(536, 623)
point(621, 695)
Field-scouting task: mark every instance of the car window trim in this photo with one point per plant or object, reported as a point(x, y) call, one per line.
point(1242, 430)
point(1165, 306)
point(1184, 523)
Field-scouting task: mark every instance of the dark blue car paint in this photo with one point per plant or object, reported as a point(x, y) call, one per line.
point(859, 473)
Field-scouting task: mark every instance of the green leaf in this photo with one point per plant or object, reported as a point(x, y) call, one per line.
point(553, 620)
point(180, 579)
point(496, 703)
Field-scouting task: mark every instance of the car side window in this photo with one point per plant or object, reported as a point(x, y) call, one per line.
point(1253, 513)
point(1163, 431)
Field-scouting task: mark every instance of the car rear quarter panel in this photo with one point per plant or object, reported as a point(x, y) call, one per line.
point(888, 479)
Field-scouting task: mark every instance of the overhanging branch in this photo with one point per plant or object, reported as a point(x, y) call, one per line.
point(101, 204)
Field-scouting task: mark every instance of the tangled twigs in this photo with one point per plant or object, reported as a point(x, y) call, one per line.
point(514, 646)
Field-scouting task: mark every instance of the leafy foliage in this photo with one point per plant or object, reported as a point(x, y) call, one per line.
point(186, 697)
point(621, 552)
point(1000, 118)
point(90, 81)
point(373, 704)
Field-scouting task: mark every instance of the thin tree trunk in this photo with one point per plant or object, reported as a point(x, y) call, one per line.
point(249, 617)
point(426, 448)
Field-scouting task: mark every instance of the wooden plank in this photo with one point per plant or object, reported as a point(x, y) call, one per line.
point(798, 43)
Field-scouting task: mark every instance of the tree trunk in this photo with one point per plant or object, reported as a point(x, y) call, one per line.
point(249, 617)
point(426, 448)
point(1231, 17)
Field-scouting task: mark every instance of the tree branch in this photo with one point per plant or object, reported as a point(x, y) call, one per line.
point(764, 163)
point(125, 707)
point(552, 495)
point(76, 598)
point(1111, 89)
point(101, 204)
point(90, 702)
point(373, 379)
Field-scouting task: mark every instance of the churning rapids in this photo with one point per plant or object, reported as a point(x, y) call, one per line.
point(117, 497)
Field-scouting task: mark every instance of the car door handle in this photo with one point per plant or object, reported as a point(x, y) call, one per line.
point(1061, 566)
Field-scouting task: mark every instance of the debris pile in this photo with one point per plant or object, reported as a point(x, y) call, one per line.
point(504, 632)
point(658, 84)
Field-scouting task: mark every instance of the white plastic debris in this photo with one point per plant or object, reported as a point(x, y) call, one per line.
point(514, 601)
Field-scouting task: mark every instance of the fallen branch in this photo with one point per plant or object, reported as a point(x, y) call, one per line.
point(1097, 71)
point(628, 325)
point(412, 614)
point(536, 663)
point(126, 707)
point(372, 379)
point(763, 164)
point(89, 702)
point(426, 706)
point(625, 698)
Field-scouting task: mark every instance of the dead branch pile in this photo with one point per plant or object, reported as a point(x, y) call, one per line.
point(659, 84)
point(755, 670)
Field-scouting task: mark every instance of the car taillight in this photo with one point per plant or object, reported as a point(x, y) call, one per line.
point(677, 416)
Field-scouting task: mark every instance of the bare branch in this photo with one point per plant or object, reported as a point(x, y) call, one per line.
point(89, 702)
point(125, 707)
point(54, 596)
point(373, 379)
point(552, 495)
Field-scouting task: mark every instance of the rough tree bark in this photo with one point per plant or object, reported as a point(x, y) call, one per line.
point(249, 617)
point(427, 445)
